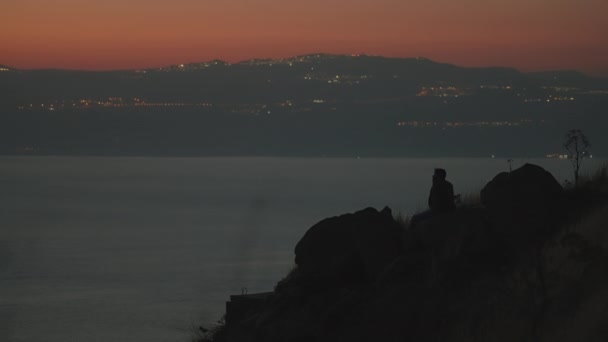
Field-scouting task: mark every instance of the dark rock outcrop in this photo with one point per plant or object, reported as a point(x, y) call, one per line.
point(350, 247)
point(525, 205)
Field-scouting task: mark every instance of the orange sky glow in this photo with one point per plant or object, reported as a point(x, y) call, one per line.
point(123, 34)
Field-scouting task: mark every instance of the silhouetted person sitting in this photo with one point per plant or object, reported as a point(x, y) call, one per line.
point(441, 198)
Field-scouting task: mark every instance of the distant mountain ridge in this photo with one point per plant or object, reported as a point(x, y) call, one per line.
point(316, 58)
point(309, 105)
point(565, 75)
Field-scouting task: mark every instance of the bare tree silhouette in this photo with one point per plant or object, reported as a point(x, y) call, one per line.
point(577, 146)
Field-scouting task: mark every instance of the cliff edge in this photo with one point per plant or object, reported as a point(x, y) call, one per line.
point(527, 263)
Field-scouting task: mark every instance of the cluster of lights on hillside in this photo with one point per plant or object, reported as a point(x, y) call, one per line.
point(457, 124)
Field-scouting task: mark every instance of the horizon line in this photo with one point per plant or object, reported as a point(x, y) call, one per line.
point(598, 74)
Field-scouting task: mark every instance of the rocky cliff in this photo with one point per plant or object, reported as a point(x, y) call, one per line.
point(528, 263)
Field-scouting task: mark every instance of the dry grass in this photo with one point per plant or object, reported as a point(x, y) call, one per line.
point(403, 220)
point(470, 199)
point(601, 174)
point(593, 227)
point(566, 257)
point(594, 178)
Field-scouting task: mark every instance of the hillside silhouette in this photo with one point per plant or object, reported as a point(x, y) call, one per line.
point(526, 263)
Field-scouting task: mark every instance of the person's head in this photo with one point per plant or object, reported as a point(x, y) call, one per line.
point(439, 174)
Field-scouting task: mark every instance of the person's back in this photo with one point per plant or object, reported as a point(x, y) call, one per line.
point(441, 198)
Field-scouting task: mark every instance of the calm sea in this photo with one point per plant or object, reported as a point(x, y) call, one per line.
point(145, 249)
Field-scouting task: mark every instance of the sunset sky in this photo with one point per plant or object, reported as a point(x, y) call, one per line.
point(118, 34)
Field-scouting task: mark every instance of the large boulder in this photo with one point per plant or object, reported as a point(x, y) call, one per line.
point(526, 203)
point(351, 246)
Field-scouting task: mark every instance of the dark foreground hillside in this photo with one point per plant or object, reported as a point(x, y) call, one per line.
point(528, 263)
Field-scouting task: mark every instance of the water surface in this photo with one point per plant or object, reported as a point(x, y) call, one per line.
point(142, 249)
